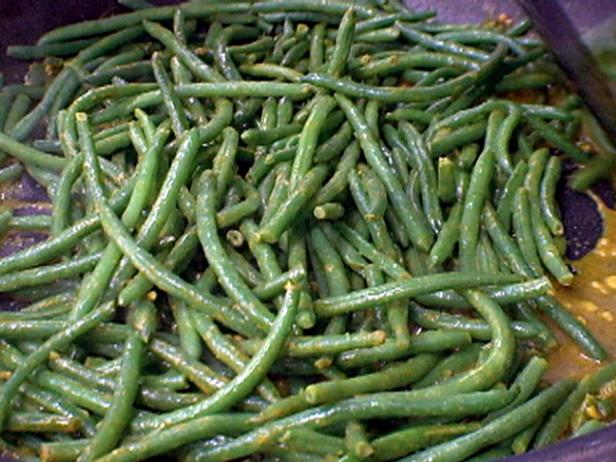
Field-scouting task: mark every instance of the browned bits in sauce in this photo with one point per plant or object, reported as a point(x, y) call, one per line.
point(592, 298)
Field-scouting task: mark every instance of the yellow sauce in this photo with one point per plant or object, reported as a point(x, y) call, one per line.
point(592, 299)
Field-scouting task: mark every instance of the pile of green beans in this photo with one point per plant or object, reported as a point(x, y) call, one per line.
point(290, 231)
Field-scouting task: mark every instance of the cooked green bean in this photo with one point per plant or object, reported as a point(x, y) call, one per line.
point(245, 381)
point(224, 269)
point(419, 235)
point(289, 210)
point(496, 431)
point(306, 148)
point(303, 212)
point(523, 229)
point(549, 207)
point(344, 40)
point(507, 196)
point(367, 406)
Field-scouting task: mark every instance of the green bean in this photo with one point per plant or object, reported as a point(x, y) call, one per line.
point(387, 34)
point(226, 352)
point(435, 43)
point(162, 400)
point(43, 275)
point(202, 376)
point(131, 54)
point(272, 71)
point(481, 37)
point(312, 441)
point(112, 426)
point(316, 56)
point(467, 157)
point(420, 160)
point(397, 63)
point(190, 60)
point(404, 95)
point(264, 163)
point(261, 44)
point(47, 50)
point(548, 252)
point(38, 422)
point(256, 137)
point(244, 89)
point(572, 327)
point(446, 240)
point(30, 222)
point(189, 339)
point(549, 207)
point(29, 155)
point(179, 435)
point(446, 181)
point(367, 406)
point(67, 81)
point(222, 56)
point(306, 148)
point(332, 148)
point(557, 139)
point(283, 217)
point(130, 71)
point(419, 235)
point(527, 382)
point(252, 374)
point(275, 286)
point(559, 420)
point(140, 285)
point(226, 272)
point(233, 214)
point(410, 114)
point(446, 141)
point(62, 451)
point(388, 265)
point(328, 211)
point(507, 196)
point(522, 441)
point(589, 427)
point(426, 342)
point(176, 177)
point(54, 342)
point(501, 143)
point(371, 213)
point(356, 440)
point(395, 376)
point(18, 109)
point(477, 329)
point(181, 75)
point(92, 289)
point(293, 56)
point(523, 229)
point(338, 182)
point(387, 273)
point(147, 264)
point(61, 207)
point(455, 363)
point(476, 196)
point(593, 170)
point(497, 430)
point(143, 318)
point(344, 40)
point(406, 441)
point(179, 123)
point(196, 11)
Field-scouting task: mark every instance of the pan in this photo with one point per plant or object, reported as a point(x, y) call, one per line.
point(23, 21)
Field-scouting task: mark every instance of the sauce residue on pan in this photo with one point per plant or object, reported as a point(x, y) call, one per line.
point(592, 299)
